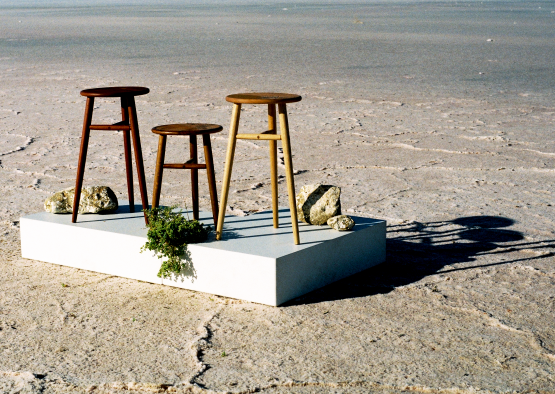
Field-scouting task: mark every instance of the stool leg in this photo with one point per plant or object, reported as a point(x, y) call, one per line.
point(127, 150)
point(228, 166)
point(138, 153)
point(82, 156)
point(273, 163)
point(194, 174)
point(211, 177)
point(159, 171)
point(284, 125)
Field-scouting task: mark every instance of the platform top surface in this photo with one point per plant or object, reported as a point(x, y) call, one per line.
point(263, 98)
point(187, 129)
point(253, 234)
point(115, 91)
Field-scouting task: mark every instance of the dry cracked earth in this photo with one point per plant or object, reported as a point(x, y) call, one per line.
point(465, 302)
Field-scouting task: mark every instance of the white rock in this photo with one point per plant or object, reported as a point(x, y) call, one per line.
point(94, 199)
point(317, 203)
point(341, 222)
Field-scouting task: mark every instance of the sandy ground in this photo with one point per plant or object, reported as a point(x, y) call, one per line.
point(465, 302)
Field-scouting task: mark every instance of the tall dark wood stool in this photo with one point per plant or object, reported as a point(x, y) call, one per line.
point(128, 123)
point(192, 130)
point(281, 99)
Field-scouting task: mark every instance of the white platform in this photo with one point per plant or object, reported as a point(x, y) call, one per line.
point(253, 261)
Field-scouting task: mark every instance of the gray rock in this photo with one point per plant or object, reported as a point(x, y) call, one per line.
point(94, 199)
point(341, 222)
point(317, 203)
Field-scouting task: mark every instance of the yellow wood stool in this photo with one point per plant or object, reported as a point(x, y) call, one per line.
point(271, 99)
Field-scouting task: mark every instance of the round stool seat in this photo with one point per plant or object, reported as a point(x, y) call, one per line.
point(187, 129)
point(116, 91)
point(263, 98)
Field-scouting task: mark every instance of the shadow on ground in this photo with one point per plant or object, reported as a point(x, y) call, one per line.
point(417, 250)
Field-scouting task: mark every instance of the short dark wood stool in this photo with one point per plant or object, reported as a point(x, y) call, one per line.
point(192, 130)
point(271, 99)
point(128, 124)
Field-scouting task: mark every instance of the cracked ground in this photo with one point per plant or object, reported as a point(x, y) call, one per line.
point(462, 171)
point(464, 302)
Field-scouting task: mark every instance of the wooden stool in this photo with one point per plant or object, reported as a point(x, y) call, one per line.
point(281, 99)
point(128, 123)
point(192, 130)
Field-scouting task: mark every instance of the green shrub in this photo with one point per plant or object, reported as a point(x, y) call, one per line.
point(169, 232)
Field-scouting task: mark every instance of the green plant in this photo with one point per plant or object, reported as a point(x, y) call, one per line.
point(169, 232)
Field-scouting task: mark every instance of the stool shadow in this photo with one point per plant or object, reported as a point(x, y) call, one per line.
point(226, 235)
point(105, 216)
point(417, 250)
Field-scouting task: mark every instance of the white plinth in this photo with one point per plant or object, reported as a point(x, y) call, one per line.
point(253, 261)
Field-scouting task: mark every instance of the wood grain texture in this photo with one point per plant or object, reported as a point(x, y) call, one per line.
point(194, 173)
point(263, 98)
point(233, 128)
point(135, 135)
point(187, 129)
point(82, 157)
point(284, 125)
point(208, 158)
point(159, 172)
point(116, 91)
point(262, 137)
point(273, 164)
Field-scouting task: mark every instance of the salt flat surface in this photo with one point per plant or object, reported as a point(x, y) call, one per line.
point(407, 107)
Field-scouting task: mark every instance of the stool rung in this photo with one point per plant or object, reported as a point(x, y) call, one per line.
point(123, 125)
point(267, 135)
point(185, 166)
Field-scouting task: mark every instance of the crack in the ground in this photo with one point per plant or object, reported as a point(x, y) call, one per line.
point(28, 141)
point(38, 383)
point(368, 385)
point(96, 282)
point(200, 344)
point(535, 340)
point(63, 313)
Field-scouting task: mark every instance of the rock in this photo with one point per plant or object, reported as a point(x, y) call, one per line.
point(317, 203)
point(94, 199)
point(341, 222)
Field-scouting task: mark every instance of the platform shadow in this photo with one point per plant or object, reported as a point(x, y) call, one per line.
point(417, 250)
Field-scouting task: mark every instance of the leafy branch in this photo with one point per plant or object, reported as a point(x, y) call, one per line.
point(169, 232)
